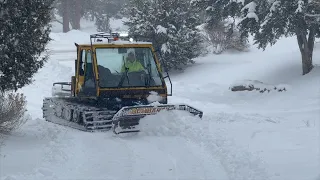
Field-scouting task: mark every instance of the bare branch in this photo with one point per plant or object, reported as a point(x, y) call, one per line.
point(312, 15)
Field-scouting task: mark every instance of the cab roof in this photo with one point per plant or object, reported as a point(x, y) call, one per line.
point(116, 44)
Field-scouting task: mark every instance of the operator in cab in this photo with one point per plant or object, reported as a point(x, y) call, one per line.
point(132, 63)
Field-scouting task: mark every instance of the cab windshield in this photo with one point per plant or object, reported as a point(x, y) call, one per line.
point(127, 67)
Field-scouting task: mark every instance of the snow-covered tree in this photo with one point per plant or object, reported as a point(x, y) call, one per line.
point(103, 23)
point(24, 29)
point(95, 10)
point(269, 20)
point(170, 25)
point(284, 18)
point(220, 24)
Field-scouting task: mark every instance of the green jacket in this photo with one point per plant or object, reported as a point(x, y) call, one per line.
point(134, 66)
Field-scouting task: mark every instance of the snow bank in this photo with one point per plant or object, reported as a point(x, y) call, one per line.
point(64, 42)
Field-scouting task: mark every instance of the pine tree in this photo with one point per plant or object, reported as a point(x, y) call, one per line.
point(24, 29)
point(284, 18)
point(269, 20)
point(170, 25)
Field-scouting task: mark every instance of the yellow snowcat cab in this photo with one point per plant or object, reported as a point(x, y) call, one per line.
point(114, 86)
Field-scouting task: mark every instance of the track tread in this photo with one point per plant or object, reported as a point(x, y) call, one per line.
point(88, 118)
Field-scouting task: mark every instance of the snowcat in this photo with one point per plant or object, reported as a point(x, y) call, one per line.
point(104, 93)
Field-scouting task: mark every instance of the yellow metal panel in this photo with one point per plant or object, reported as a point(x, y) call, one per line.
point(79, 79)
point(114, 45)
point(140, 96)
point(130, 88)
point(80, 83)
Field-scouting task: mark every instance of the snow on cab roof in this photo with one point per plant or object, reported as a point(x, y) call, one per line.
point(112, 38)
point(116, 42)
point(122, 42)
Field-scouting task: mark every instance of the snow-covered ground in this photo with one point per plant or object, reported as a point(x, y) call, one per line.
point(242, 136)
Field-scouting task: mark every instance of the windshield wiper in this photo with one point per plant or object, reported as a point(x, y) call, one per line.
point(124, 75)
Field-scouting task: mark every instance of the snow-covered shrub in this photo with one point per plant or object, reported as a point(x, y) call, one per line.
point(12, 110)
point(221, 24)
point(222, 36)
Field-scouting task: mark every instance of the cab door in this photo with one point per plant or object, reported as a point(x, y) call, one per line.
point(86, 84)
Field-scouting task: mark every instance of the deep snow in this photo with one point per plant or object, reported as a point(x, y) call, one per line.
point(243, 135)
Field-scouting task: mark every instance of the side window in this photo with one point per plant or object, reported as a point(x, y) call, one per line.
point(88, 66)
point(82, 62)
point(89, 56)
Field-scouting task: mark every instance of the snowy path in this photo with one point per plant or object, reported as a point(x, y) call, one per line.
point(172, 151)
point(63, 153)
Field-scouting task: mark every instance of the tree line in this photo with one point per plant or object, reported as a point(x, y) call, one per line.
point(182, 29)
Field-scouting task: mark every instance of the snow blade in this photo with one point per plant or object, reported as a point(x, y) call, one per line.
point(127, 118)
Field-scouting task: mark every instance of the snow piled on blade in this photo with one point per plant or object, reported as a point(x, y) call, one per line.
point(166, 123)
point(154, 97)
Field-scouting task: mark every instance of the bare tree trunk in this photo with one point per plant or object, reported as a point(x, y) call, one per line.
point(306, 46)
point(65, 16)
point(77, 15)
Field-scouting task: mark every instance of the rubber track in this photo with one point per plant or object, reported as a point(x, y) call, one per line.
point(81, 117)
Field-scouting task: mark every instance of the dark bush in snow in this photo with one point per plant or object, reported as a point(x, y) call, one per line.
point(12, 110)
point(254, 85)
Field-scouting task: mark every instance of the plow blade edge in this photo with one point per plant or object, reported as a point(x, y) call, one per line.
point(127, 118)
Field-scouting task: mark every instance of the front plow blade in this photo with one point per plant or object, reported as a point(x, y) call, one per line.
point(127, 119)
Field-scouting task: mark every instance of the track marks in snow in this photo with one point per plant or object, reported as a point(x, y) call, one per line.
point(54, 152)
point(31, 148)
point(171, 146)
point(171, 158)
point(95, 155)
point(237, 162)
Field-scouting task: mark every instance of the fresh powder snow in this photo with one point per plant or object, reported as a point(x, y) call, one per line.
point(245, 135)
